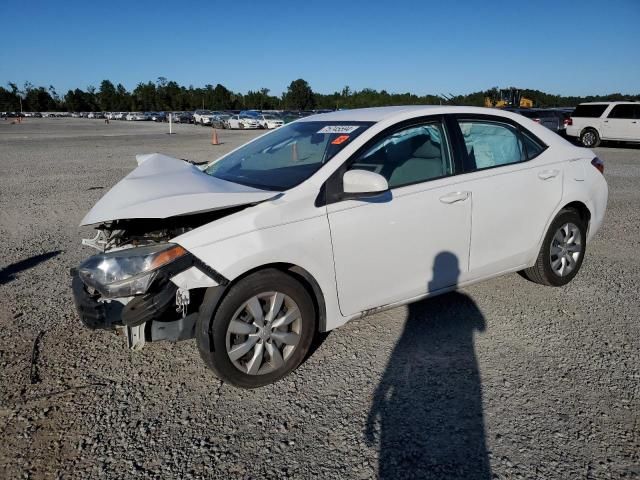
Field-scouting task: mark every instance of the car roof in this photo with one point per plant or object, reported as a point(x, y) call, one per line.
point(377, 114)
point(609, 103)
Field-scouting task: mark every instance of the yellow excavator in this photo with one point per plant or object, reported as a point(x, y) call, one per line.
point(510, 97)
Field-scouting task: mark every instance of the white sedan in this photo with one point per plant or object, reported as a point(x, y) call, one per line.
point(330, 218)
point(242, 121)
point(136, 116)
point(269, 122)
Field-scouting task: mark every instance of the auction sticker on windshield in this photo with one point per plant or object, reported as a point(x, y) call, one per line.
point(338, 129)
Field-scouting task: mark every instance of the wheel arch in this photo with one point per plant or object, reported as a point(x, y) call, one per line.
point(577, 205)
point(215, 295)
point(589, 127)
point(581, 208)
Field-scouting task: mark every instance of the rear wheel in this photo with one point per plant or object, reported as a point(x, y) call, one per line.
point(590, 138)
point(261, 331)
point(562, 251)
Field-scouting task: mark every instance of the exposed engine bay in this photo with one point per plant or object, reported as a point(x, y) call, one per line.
point(146, 231)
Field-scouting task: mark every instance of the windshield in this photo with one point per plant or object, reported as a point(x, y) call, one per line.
point(288, 156)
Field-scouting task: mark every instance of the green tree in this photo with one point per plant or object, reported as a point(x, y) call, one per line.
point(299, 95)
point(107, 96)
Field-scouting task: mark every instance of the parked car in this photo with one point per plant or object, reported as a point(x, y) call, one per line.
point(242, 121)
point(173, 116)
point(158, 116)
point(137, 116)
point(186, 117)
point(552, 119)
point(220, 121)
point(206, 120)
point(201, 117)
point(269, 121)
point(593, 122)
point(329, 218)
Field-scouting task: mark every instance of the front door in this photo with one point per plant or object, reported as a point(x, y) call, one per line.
point(411, 240)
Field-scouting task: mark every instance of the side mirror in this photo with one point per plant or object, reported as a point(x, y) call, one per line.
point(359, 183)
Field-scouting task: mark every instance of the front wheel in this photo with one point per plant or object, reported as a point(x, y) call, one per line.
point(261, 331)
point(562, 251)
point(590, 138)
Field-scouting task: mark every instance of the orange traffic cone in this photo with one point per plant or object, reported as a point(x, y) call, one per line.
point(214, 138)
point(294, 152)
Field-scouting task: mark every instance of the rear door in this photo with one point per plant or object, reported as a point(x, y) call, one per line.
point(515, 184)
point(622, 122)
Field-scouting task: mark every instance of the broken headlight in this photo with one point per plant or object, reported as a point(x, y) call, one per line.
point(124, 273)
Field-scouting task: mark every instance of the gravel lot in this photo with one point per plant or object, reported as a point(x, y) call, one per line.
point(506, 379)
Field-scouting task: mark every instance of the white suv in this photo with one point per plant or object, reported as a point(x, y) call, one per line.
point(593, 122)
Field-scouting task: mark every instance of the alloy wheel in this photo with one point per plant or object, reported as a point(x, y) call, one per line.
point(588, 139)
point(566, 248)
point(263, 333)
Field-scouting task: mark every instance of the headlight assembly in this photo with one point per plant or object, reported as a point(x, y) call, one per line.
point(124, 273)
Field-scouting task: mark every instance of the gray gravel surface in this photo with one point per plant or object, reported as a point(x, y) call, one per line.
point(506, 379)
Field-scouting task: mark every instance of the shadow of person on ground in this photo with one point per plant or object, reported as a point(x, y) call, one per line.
point(427, 409)
point(8, 273)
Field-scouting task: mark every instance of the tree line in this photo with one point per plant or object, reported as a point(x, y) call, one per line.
point(168, 95)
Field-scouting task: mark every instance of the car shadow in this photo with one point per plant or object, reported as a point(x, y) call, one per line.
point(8, 273)
point(427, 411)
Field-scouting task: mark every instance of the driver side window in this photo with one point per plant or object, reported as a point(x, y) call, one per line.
point(412, 155)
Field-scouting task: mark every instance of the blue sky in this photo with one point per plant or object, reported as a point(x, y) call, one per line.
point(567, 47)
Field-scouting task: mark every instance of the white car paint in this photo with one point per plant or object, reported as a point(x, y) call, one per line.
point(239, 121)
point(371, 254)
point(269, 121)
point(203, 117)
point(163, 187)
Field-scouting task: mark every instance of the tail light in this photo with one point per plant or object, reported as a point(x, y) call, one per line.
point(568, 121)
point(599, 164)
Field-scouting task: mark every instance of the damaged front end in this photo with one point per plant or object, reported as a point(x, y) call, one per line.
point(140, 283)
point(147, 293)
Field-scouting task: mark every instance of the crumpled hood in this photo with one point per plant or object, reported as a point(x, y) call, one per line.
point(162, 187)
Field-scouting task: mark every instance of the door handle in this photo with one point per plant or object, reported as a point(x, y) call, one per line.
point(547, 174)
point(455, 197)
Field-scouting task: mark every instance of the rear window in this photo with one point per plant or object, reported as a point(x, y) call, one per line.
point(589, 111)
point(624, 111)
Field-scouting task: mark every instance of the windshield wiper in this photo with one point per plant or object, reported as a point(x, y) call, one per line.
point(194, 162)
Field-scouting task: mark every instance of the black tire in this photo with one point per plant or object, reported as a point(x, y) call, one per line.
point(542, 272)
point(590, 138)
point(211, 330)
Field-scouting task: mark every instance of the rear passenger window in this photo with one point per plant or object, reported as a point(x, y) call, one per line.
point(532, 147)
point(622, 111)
point(491, 144)
point(411, 155)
